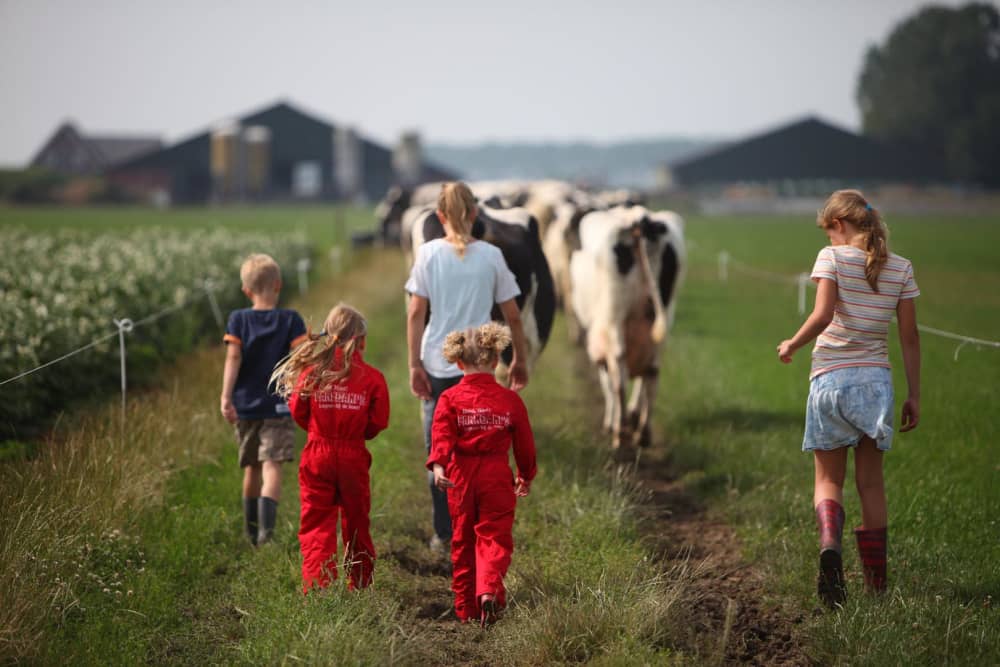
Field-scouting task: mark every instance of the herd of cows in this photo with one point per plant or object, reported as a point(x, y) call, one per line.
point(611, 264)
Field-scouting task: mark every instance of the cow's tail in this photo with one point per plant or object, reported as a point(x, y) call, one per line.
point(659, 330)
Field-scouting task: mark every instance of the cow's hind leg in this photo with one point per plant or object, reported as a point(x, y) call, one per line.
point(618, 384)
point(605, 380)
point(641, 406)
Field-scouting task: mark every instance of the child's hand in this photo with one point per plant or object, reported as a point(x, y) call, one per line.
point(228, 411)
point(521, 487)
point(911, 415)
point(785, 351)
point(440, 481)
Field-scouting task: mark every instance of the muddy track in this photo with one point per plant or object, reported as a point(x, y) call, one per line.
point(730, 618)
point(724, 590)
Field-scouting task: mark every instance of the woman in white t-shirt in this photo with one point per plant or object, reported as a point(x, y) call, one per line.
point(459, 279)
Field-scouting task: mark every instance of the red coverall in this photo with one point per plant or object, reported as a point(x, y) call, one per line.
point(333, 473)
point(475, 423)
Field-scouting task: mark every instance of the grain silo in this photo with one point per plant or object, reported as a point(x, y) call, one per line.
point(257, 154)
point(348, 165)
point(407, 159)
point(227, 162)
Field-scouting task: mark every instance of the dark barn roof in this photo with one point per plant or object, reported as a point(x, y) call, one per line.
point(806, 150)
point(69, 151)
point(296, 137)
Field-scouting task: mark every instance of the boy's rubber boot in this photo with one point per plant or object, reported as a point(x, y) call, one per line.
point(267, 511)
point(872, 546)
point(830, 585)
point(250, 518)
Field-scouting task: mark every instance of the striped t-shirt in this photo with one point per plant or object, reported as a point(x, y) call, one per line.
point(858, 334)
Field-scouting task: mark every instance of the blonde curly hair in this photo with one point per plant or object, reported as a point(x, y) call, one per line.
point(479, 346)
point(343, 329)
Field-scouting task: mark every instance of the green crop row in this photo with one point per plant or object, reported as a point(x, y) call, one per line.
point(62, 290)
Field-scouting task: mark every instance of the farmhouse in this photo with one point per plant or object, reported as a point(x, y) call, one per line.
point(71, 153)
point(277, 153)
point(809, 157)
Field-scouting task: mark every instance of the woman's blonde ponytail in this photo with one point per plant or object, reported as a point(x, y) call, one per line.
point(457, 203)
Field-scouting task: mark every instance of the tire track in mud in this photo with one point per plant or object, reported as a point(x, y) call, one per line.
point(730, 617)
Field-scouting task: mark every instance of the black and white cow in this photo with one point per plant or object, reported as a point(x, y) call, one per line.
point(625, 276)
point(515, 232)
point(389, 212)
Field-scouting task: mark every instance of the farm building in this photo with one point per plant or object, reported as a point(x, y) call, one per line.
point(72, 153)
point(278, 153)
point(804, 158)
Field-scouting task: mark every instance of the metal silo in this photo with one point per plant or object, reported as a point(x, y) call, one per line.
point(257, 152)
point(348, 165)
point(227, 162)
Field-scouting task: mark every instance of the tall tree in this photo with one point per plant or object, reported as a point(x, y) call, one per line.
point(936, 83)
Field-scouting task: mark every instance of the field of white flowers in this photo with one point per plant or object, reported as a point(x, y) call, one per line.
point(62, 289)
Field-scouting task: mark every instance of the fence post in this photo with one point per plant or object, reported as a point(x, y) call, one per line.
point(803, 281)
point(724, 266)
point(125, 326)
point(303, 265)
point(335, 258)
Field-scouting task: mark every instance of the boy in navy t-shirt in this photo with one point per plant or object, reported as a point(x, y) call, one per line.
point(257, 338)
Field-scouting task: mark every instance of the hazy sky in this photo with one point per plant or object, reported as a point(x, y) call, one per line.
point(456, 71)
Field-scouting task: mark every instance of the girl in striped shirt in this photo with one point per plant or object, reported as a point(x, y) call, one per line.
point(860, 285)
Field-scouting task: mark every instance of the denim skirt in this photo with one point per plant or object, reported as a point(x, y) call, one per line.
point(847, 404)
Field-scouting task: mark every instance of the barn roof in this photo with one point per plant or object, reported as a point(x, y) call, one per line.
point(279, 112)
point(101, 151)
point(808, 149)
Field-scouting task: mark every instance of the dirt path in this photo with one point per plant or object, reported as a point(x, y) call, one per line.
point(726, 590)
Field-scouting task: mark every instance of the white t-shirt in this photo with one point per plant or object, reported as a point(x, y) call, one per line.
point(461, 292)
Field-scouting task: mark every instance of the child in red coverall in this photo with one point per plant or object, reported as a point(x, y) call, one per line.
point(474, 426)
point(341, 401)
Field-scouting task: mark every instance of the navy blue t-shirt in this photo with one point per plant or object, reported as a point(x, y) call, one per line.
point(265, 338)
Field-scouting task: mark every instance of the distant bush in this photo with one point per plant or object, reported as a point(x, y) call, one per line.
point(60, 291)
point(30, 186)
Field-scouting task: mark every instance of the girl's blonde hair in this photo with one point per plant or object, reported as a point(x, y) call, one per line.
point(457, 203)
point(851, 206)
point(479, 347)
point(342, 331)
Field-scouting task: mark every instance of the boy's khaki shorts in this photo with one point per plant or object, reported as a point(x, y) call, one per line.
point(265, 440)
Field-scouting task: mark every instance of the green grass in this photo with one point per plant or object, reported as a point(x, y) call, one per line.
point(584, 585)
point(735, 417)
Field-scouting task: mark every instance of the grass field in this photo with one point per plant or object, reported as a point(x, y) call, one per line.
point(175, 584)
point(735, 420)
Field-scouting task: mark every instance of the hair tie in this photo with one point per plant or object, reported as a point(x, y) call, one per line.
point(868, 207)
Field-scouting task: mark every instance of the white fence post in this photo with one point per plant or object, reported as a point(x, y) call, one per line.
point(304, 264)
point(803, 281)
point(125, 326)
point(723, 266)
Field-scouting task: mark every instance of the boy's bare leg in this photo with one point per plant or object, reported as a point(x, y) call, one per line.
point(271, 486)
point(252, 481)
